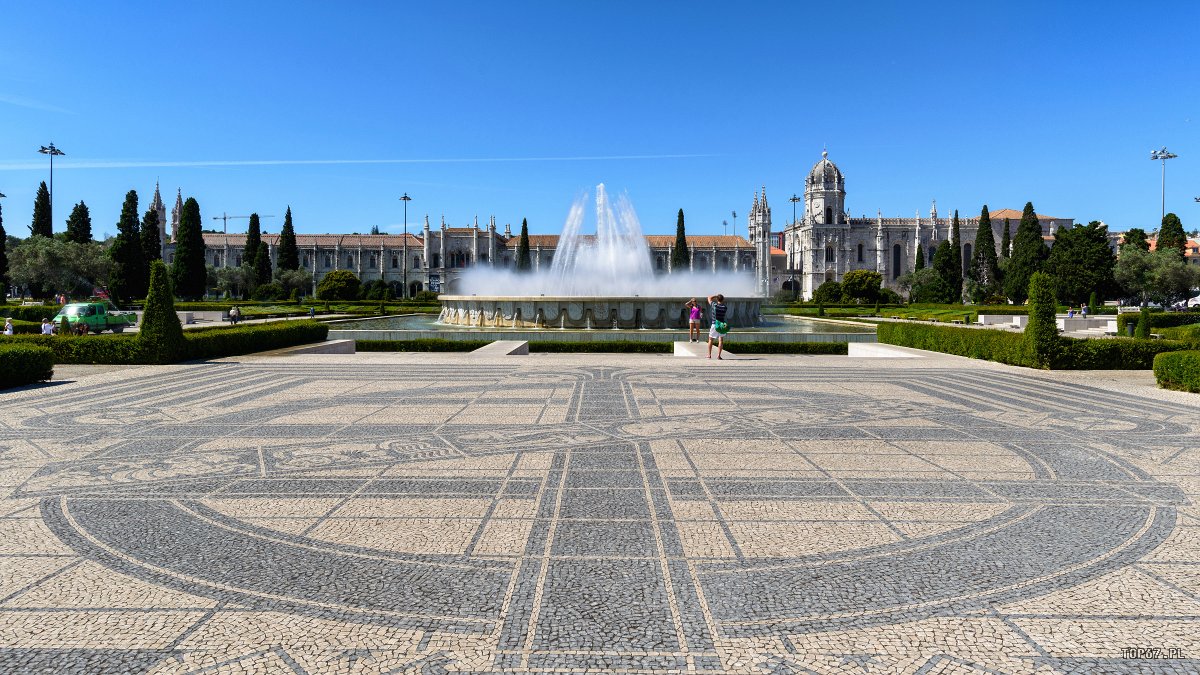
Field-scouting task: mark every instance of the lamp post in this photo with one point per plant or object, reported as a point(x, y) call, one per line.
point(1163, 155)
point(53, 152)
point(725, 223)
point(794, 200)
point(734, 214)
point(406, 199)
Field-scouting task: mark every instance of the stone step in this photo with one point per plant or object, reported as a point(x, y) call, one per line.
point(504, 348)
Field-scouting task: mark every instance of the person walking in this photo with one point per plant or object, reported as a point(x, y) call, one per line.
point(235, 315)
point(47, 327)
point(693, 320)
point(8, 327)
point(718, 328)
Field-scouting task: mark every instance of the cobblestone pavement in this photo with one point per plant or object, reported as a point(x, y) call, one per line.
point(387, 513)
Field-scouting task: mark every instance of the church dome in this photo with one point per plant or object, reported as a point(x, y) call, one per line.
point(825, 171)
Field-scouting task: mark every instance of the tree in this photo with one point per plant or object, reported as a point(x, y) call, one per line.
point(926, 286)
point(943, 264)
point(680, 256)
point(229, 281)
point(920, 262)
point(288, 255)
point(1171, 236)
point(524, 262)
point(262, 265)
point(1093, 303)
point(1029, 255)
point(339, 285)
point(1081, 262)
point(130, 273)
point(985, 269)
point(3, 261)
point(1155, 276)
point(250, 252)
point(1136, 237)
point(828, 293)
point(49, 265)
point(79, 224)
point(41, 225)
point(151, 238)
point(1142, 332)
point(160, 336)
point(956, 267)
point(188, 273)
point(297, 280)
point(1041, 333)
point(1006, 240)
point(861, 286)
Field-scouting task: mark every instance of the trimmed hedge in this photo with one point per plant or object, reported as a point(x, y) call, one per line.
point(1010, 348)
point(423, 345)
point(836, 348)
point(22, 364)
point(1178, 370)
point(33, 313)
point(198, 344)
point(1158, 320)
point(601, 347)
point(26, 327)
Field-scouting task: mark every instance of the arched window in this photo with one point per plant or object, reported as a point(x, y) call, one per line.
point(860, 253)
point(658, 263)
point(328, 260)
point(896, 255)
point(374, 261)
point(349, 261)
point(416, 262)
point(828, 254)
point(395, 262)
point(968, 256)
point(436, 260)
point(828, 214)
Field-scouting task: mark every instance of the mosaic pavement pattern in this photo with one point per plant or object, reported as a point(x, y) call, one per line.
point(788, 515)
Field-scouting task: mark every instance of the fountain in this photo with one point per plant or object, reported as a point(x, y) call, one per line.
point(607, 274)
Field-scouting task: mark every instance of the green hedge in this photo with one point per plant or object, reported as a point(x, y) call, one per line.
point(837, 348)
point(26, 327)
point(601, 347)
point(22, 364)
point(32, 313)
point(1158, 320)
point(424, 345)
point(198, 344)
point(1010, 348)
point(1178, 370)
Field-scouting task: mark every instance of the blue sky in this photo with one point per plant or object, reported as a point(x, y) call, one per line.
point(681, 104)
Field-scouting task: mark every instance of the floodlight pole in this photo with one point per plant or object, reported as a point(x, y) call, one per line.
point(1163, 155)
point(406, 199)
point(53, 152)
point(734, 214)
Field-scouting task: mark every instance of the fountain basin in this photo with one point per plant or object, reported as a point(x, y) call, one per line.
point(578, 312)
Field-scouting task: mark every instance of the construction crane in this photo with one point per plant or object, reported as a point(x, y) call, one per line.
point(224, 218)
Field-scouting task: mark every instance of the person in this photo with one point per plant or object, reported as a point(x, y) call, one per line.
point(235, 315)
point(693, 320)
point(1071, 312)
point(312, 312)
point(8, 327)
point(47, 327)
point(717, 303)
point(1083, 311)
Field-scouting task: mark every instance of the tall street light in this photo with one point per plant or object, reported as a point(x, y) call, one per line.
point(794, 200)
point(734, 214)
point(406, 199)
point(53, 152)
point(1164, 156)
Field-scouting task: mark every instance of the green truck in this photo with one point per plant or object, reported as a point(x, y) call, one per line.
point(99, 315)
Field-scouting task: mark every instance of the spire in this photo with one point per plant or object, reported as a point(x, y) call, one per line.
point(477, 221)
point(157, 203)
point(754, 209)
point(764, 197)
point(443, 221)
point(426, 222)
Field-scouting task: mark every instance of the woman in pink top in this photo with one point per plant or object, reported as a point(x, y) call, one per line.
point(693, 320)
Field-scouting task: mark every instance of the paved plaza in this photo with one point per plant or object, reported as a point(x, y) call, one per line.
point(390, 513)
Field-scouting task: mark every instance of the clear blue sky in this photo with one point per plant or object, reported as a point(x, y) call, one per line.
point(1058, 103)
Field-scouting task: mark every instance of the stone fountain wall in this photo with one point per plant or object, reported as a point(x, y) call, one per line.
point(581, 312)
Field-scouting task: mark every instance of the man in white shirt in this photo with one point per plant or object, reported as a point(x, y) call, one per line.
point(47, 327)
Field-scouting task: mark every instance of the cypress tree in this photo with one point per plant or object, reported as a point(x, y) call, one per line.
point(262, 265)
point(985, 269)
point(920, 262)
point(41, 225)
point(1006, 240)
point(1029, 255)
point(524, 262)
point(253, 239)
point(956, 267)
point(160, 336)
point(3, 261)
point(1143, 325)
point(129, 277)
point(1171, 236)
point(288, 256)
point(1093, 304)
point(680, 256)
point(1041, 333)
point(79, 224)
point(188, 274)
point(151, 240)
point(943, 264)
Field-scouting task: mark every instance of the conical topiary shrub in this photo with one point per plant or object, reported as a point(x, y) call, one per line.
point(1041, 333)
point(160, 336)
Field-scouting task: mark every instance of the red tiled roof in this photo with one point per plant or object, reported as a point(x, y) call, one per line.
point(1192, 249)
point(652, 240)
point(310, 240)
point(1013, 214)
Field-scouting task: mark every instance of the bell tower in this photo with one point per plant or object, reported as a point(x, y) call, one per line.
point(825, 194)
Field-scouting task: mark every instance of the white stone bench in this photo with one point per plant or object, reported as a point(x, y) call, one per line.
point(504, 348)
point(186, 318)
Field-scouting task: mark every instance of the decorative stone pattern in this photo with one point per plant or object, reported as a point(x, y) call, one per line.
point(386, 513)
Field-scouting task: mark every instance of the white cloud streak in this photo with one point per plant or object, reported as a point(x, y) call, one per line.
point(22, 102)
point(22, 165)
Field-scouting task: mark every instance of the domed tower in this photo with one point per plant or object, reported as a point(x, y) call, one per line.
point(825, 194)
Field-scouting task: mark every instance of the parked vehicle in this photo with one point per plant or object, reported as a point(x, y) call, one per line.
point(98, 315)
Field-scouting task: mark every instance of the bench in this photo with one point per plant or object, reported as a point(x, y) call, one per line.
point(958, 321)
